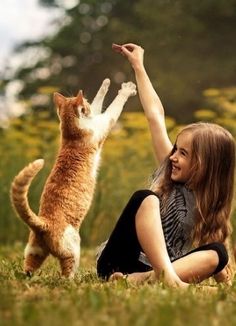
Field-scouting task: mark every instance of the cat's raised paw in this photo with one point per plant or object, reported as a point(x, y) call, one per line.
point(128, 88)
point(106, 84)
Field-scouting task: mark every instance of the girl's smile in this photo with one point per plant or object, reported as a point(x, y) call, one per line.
point(181, 158)
point(175, 169)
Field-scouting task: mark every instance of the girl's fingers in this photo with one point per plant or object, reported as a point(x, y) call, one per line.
point(131, 51)
point(131, 45)
point(125, 51)
point(116, 47)
point(120, 49)
point(128, 46)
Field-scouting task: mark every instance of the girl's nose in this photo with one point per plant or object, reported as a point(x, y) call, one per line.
point(173, 157)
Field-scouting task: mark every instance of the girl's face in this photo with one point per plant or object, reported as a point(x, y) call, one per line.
point(181, 158)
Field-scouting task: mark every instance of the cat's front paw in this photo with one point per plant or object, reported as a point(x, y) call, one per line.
point(128, 89)
point(105, 85)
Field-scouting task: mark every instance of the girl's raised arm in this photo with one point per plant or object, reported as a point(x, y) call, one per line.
point(150, 101)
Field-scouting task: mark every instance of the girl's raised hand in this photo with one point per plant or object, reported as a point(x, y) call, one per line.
point(133, 52)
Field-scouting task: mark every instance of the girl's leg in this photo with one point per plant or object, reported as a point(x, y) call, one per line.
point(139, 228)
point(122, 250)
point(194, 267)
point(151, 238)
point(202, 263)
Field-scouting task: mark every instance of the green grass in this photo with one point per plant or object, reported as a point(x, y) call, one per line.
point(47, 299)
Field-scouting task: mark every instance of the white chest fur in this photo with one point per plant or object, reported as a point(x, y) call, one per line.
point(98, 125)
point(96, 161)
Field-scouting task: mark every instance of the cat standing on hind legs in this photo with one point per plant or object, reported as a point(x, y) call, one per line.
point(69, 189)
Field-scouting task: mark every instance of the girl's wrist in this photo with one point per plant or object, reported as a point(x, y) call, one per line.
point(139, 70)
point(138, 67)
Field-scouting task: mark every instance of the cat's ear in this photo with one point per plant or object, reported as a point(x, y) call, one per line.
point(58, 99)
point(79, 97)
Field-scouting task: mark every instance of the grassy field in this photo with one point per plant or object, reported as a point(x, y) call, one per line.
point(46, 299)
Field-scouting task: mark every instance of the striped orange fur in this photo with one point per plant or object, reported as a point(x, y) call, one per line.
point(69, 189)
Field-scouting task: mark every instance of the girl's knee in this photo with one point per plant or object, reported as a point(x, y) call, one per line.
point(150, 203)
point(223, 257)
point(147, 212)
point(140, 195)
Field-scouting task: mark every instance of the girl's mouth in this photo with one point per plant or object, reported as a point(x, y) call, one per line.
point(175, 169)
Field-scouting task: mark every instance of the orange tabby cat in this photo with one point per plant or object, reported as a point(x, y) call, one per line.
point(68, 191)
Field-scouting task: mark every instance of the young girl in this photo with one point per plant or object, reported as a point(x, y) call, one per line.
point(188, 205)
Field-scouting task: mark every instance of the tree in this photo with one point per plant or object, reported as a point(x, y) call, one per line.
point(188, 49)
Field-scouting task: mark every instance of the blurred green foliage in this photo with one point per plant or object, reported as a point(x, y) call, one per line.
point(26, 139)
point(127, 162)
point(221, 108)
point(182, 42)
point(188, 47)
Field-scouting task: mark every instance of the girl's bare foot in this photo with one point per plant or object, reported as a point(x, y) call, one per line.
point(175, 282)
point(134, 278)
point(145, 277)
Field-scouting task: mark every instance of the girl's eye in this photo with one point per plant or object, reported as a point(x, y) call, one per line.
point(183, 153)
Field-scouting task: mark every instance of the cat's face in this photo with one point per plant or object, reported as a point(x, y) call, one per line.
point(72, 106)
point(70, 111)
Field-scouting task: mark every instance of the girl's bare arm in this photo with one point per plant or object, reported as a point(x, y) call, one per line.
point(150, 101)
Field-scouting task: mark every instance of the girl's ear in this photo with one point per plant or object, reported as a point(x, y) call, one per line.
point(58, 99)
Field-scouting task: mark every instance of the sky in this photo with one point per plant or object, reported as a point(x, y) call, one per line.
point(22, 20)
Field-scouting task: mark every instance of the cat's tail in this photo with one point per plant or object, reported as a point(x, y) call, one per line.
point(19, 196)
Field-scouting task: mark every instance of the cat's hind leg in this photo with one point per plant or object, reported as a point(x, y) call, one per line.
point(96, 106)
point(70, 252)
point(68, 266)
point(34, 255)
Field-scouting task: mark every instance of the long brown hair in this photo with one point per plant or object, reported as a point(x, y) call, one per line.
point(212, 180)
